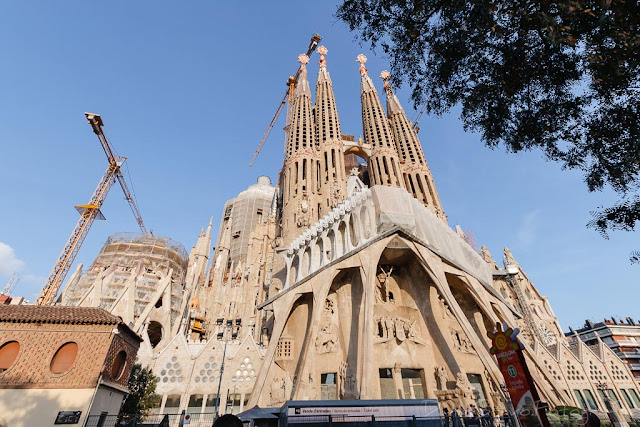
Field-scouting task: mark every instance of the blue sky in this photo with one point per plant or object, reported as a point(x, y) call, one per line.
point(186, 90)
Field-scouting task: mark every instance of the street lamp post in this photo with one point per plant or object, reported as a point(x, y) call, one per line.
point(509, 405)
point(224, 354)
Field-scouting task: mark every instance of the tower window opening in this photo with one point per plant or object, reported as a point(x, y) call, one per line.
point(425, 197)
point(386, 170)
point(326, 167)
point(395, 174)
point(413, 189)
point(154, 332)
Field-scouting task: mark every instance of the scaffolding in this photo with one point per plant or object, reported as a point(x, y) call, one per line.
point(127, 253)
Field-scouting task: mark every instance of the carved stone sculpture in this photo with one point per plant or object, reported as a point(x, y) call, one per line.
point(303, 214)
point(461, 342)
point(388, 327)
point(446, 310)
point(463, 384)
point(441, 376)
point(327, 339)
point(277, 393)
point(399, 325)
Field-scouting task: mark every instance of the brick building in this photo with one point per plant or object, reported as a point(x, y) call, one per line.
point(62, 359)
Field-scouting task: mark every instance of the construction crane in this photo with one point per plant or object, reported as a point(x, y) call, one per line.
point(291, 84)
point(416, 126)
point(89, 213)
point(13, 281)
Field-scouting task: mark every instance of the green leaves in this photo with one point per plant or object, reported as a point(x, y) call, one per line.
point(142, 395)
point(560, 76)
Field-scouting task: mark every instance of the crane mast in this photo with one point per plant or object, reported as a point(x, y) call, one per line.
point(96, 123)
point(8, 288)
point(88, 213)
point(291, 82)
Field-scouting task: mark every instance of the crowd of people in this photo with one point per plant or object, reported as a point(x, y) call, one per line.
point(475, 416)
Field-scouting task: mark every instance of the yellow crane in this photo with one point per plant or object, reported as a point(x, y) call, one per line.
point(89, 213)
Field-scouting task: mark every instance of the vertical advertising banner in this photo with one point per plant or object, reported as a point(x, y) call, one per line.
point(522, 390)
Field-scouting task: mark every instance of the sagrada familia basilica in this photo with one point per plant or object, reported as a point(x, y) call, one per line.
point(343, 281)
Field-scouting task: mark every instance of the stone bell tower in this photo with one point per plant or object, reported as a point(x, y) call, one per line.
point(301, 171)
point(329, 141)
point(415, 171)
point(384, 165)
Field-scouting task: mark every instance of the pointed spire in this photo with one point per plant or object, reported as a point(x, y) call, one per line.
point(301, 126)
point(384, 165)
point(393, 103)
point(302, 87)
point(329, 138)
point(323, 74)
point(374, 125)
point(299, 181)
point(209, 226)
point(366, 84)
point(409, 146)
point(327, 121)
point(417, 175)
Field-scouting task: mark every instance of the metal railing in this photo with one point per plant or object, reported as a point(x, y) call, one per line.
point(153, 420)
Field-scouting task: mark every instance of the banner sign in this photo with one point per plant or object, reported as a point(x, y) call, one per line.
point(420, 411)
point(522, 390)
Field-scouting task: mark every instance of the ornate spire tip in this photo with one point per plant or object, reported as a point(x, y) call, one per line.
point(322, 51)
point(303, 59)
point(362, 59)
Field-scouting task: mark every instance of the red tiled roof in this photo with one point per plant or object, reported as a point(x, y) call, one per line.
point(57, 314)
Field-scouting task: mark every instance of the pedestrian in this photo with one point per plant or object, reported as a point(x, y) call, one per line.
point(505, 419)
point(455, 418)
point(490, 416)
point(447, 418)
point(589, 419)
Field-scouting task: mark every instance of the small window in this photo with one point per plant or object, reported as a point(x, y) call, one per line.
point(412, 383)
point(635, 397)
point(173, 401)
point(8, 354)
point(212, 400)
point(580, 399)
point(387, 387)
point(614, 397)
point(117, 369)
point(627, 398)
point(328, 387)
point(591, 401)
point(64, 358)
point(195, 404)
